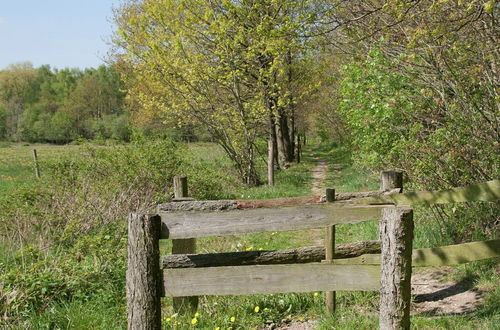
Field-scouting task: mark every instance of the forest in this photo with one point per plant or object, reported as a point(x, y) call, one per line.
point(244, 97)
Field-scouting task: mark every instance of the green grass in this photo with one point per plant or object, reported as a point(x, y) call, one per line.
point(355, 309)
point(17, 165)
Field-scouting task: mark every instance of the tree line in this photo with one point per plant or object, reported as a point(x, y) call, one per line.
point(50, 105)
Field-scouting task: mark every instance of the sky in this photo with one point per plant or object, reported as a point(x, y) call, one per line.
point(61, 33)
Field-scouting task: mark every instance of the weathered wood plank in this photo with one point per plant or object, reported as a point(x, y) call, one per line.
point(488, 191)
point(307, 254)
point(190, 204)
point(247, 280)
point(456, 254)
point(439, 256)
point(239, 222)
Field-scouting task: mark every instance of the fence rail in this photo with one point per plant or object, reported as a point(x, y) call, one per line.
point(388, 271)
point(245, 280)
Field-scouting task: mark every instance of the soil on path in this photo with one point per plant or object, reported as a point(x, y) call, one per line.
point(318, 189)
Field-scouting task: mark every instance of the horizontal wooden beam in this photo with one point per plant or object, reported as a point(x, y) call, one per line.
point(247, 280)
point(177, 225)
point(439, 256)
point(305, 254)
point(190, 204)
point(487, 191)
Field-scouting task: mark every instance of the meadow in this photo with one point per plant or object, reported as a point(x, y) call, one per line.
point(65, 269)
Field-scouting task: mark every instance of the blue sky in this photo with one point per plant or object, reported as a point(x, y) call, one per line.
point(61, 33)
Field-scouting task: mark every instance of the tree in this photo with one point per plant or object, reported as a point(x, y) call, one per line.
point(420, 93)
point(17, 90)
point(224, 64)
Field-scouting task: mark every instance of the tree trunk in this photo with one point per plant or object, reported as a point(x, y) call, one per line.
point(270, 162)
point(281, 145)
point(274, 138)
point(285, 136)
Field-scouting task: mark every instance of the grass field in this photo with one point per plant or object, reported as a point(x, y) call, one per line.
point(106, 309)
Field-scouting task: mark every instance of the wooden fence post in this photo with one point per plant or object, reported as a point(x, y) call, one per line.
point(391, 180)
point(330, 296)
point(37, 167)
point(396, 235)
point(144, 280)
point(183, 246)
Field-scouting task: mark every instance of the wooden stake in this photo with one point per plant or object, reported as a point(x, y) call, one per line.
point(330, 296)
point(144, 278)
point(37, 168)
point(183, 246)
point(396, 233)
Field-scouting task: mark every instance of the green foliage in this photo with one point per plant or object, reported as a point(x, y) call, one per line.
point(64, 236)
point(394, 123)
point(46, 105)
point(227, 66)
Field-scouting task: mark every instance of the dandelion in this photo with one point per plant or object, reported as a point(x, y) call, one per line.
point(273, 233)
point(260, 249)
point(256, 309)
point(197, 315)
point(232, 319)
point(315, 294)
point(168, 319)
point(217, 328)
point(194, 321)
point(266, 309)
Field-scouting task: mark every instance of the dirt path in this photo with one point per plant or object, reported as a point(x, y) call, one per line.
point(318, 178)
point(318, 189)
point(433, 295)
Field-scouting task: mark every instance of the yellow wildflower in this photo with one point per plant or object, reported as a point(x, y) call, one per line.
point(316, 294)
point(232, 319)
point(194, 321)
point(256, 309)
point(197, 315)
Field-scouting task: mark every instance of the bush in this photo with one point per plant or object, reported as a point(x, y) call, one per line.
point(70, 227)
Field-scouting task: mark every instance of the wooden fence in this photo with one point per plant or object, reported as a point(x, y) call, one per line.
point(357, 266)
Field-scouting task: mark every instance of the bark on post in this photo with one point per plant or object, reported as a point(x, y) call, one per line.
point(144, 280)
point(390, 180)
point(396, 234)
point(270, 162)
point(183, 246)
point(330, 296)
